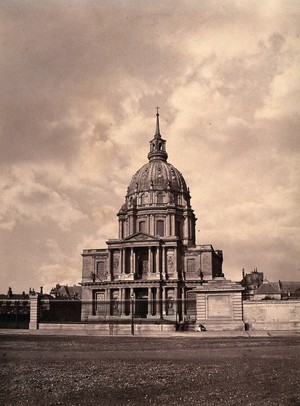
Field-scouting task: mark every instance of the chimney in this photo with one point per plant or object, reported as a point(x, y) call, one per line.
point(41, 290)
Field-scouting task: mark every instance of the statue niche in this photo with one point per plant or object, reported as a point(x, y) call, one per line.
point(142, 265)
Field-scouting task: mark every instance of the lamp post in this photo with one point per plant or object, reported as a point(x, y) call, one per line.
point(132, 315)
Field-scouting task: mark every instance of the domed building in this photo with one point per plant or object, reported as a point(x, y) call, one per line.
point(154, 265)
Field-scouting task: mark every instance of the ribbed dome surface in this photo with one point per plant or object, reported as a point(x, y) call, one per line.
point(157, 175)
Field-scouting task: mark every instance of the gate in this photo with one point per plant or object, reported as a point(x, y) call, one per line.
point(14, 313)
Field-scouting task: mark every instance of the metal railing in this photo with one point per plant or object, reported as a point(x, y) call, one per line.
point(14, 313)
point(69, 311)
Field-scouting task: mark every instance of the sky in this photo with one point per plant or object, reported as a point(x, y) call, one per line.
point(80, 81)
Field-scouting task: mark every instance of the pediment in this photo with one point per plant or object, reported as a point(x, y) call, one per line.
point(141, 237)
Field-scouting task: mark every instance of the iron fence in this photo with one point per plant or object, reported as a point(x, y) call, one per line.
point(14, 313)
point(142, 310)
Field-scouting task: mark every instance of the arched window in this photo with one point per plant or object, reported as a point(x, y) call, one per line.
point(160, 228)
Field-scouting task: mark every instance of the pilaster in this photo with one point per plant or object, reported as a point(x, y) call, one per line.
point(34, 312)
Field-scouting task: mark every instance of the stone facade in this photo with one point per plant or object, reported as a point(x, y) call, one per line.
point(155, 261)
point(219, 305)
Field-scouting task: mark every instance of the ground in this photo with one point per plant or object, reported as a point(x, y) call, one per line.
point(45, 370)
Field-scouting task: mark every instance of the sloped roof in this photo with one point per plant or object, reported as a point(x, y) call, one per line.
point(14, 296)
point(141, 236)
point(20, 296)
point(289, 286)
point(70, 292)
point(267, 288)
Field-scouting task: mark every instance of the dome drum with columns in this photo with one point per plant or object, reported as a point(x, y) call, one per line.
point(155, 259)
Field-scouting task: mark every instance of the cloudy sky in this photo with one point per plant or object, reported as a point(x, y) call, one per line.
point(80, 81)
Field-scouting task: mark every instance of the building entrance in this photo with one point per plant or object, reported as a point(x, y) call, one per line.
point(141, 303)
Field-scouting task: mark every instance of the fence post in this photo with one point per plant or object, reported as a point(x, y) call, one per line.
point(34, 311)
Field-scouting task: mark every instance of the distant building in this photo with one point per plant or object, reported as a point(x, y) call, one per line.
point(251, 282)
point(290, 290)
point(15, 308)
point(258, 288)
point(268, 291)
point(66, 292)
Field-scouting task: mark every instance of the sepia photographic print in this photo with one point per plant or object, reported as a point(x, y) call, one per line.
point(149, 206)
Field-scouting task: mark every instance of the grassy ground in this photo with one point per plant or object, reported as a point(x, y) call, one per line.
point(41, 370)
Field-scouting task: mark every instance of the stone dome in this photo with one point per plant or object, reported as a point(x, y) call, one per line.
point(157, 175)
point(158, 200)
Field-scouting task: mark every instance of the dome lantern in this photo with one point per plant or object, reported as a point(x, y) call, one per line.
point(157, 144)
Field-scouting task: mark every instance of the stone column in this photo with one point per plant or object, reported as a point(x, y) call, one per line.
point(168, 228)
point(154, 302)
point(121, 298)
point(34, 312)
point(105, 302)
point(183, 307)
point(123, 260)
point(132, 297)
point(149, 302)
point(163, 301)
point(175, 263)
point(175, 301)
point(134, 261)
point(163, 271)
point(150, 260)
point(108, 299)
point(131, 260)
point(110, 270)
point(131, 225)
point(148, 225)
point(120, 229)
point(157, 259)
point(185, 228)
point(172, 224)
point(151, 224)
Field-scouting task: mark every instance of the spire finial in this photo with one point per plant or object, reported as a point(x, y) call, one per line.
point(157, 132)
point(157, 144)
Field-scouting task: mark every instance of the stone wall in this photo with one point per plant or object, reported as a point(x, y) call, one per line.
point(272, 315)
point(220, 311)
point(109, 328)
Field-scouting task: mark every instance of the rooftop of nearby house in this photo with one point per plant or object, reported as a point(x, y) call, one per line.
point(268, 288)
point(68, 292)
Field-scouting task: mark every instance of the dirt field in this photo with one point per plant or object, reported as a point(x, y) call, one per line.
point(43, 370)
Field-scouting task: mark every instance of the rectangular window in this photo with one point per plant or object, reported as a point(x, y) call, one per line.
point(160, 228)
point(190, 265)
point(160, 198)
point(142, 226)
point(100, 268)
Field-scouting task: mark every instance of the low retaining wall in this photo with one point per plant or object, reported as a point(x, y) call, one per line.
point(272, 315)
point(109, 328)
